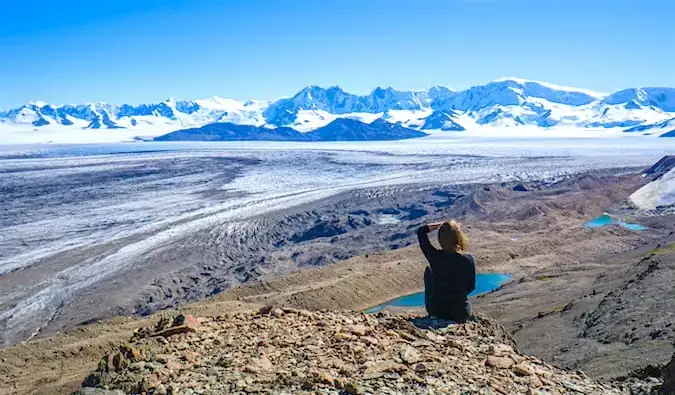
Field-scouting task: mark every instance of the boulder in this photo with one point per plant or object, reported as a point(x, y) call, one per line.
point(409, 354)
point(499, 362)
point(181, 324)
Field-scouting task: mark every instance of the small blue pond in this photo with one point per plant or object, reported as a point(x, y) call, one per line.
point(606, 219)
point(485, 282)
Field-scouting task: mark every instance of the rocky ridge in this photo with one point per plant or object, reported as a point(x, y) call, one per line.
point(284, 350)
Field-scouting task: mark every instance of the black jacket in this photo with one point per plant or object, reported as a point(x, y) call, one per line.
point(454, 277)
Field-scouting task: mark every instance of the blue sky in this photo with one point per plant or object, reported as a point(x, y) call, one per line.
point(130, 51)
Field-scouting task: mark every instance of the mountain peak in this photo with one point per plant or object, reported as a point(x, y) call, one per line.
point(37, 103)
point(440, 88)
point(380, 90)
point(312, 88)
point(523, 81)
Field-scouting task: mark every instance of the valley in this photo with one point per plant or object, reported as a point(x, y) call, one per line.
point(93, 232)
point(96, 232)
point(595, 274)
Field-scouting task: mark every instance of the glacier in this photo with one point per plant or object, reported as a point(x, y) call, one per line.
point(506, 106)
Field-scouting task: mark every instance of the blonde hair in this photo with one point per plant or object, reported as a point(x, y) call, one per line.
point(451, 238)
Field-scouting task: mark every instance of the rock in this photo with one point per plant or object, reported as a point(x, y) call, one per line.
point(523, 370)
point(351, 388)
point(535, 382)
point(190, 356)
point(543, 373)
point(378, 369)
point(185, 319)
point(182, 323)
point(391, 376)
point(259, 365)
point(97, 391)
point(265, 310)
point(572, 387)
point(499, 362)
point(173, 365)
point(407, 336)
point(325, 378)
point(422, 343)
point(175, 330)
point(432, 337)
point(342, 336)
point(122, 359)
point(501, 350)
point(409, 354)
point(154, 366)
point(160, 390)
point(277, 312)
point(358, 330)
point(499, 389)
point(369, 340)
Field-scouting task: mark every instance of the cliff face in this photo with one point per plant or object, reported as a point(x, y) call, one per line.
point(290, 351)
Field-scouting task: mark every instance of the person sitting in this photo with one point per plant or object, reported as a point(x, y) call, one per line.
point(451, 274)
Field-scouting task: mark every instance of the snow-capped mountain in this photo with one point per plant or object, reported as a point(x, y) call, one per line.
point(504, 103)
point(105, 116)
point(442, 120)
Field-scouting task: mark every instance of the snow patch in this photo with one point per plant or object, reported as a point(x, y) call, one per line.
point(523, 81)
point(658, 193)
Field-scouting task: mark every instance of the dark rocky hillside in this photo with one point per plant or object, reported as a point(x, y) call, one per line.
point(341, 129)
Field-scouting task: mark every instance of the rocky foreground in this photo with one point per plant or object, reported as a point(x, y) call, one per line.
point(293, 351)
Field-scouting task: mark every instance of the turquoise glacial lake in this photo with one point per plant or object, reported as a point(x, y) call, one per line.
point(485, 282)
point(606, 219)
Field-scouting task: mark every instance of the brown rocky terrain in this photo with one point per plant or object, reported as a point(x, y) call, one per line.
point(282, 350)
point(614, 315)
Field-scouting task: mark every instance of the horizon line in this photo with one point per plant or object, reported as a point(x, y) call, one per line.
point(598, 95)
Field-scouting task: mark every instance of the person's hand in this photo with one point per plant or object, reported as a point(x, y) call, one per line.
point(434, 225)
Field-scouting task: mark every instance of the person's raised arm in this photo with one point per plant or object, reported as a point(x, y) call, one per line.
point(423, 237)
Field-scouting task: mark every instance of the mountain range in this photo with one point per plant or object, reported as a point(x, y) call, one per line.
point(341, 129)
point(504, 103)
